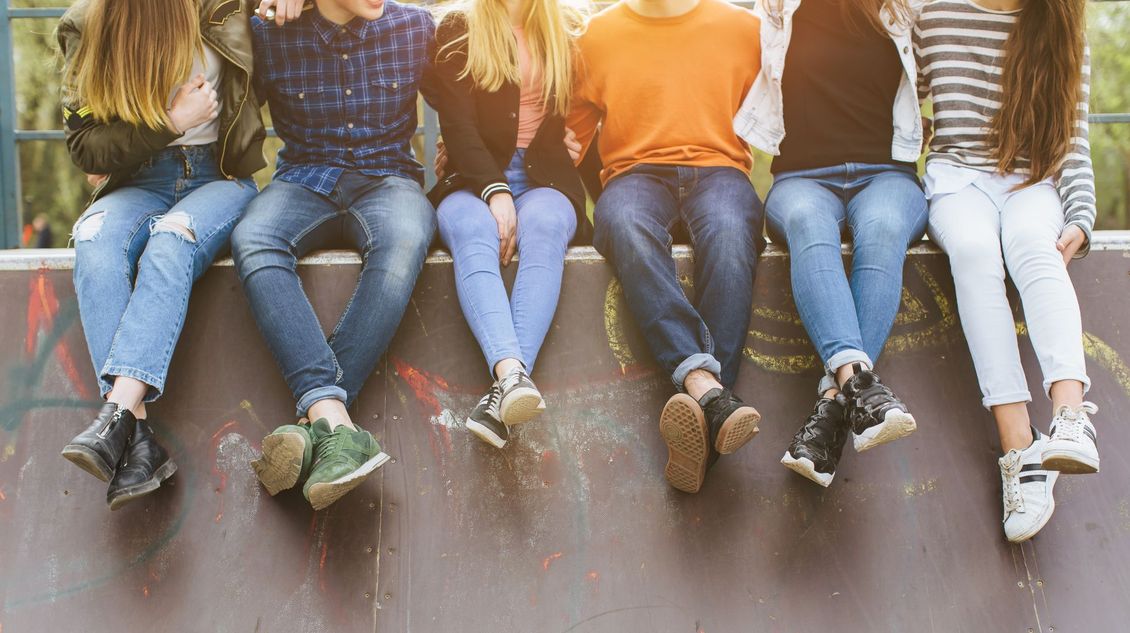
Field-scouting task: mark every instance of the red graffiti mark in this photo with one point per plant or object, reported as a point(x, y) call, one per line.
point(322, 567)
point(145, 591)
point(549, 559)
point(422, 384)
point(222, 476)
point(593, 576)
point(2, 497)
point(42, 307)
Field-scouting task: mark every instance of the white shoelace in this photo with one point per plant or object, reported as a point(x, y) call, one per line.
point(509, 380)
point(1010, 482)
point(1069, 422)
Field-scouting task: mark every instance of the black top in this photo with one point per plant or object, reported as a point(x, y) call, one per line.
point(480, 131)
point(840, 81)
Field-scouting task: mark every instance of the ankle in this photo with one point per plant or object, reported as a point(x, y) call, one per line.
point(1018, 440)
point(699, 382)
point(845, 372)
point(505, 366)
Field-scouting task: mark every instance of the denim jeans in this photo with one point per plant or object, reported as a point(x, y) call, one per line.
point(986, 228)
point(138, 251)
point(513, 327)
point(388, 220)
point(883, 209)
point(634, 219)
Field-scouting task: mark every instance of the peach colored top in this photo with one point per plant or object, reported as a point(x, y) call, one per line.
point(531, 108)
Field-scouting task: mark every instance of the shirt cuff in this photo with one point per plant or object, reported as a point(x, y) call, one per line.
point(493, 188)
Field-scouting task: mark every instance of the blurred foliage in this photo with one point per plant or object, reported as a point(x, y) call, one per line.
point(53, 187)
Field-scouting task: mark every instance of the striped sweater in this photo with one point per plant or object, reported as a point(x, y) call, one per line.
point(960, 49)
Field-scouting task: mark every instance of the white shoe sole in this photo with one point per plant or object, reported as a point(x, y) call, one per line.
point(896, 424)
point(324, 494)
point(804, 467)
point(484, 433)
point(1065, 457)
point(280, 465)
point(520, 406)
point(1041, 521)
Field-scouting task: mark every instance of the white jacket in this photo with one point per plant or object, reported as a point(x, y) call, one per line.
point(761, 118)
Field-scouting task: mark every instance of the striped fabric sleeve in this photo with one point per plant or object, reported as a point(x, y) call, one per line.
point(1075, 180)
point(493, 188)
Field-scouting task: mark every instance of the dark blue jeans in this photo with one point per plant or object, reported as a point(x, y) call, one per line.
point(883, 209)
point(718, 206)
point(388, 220)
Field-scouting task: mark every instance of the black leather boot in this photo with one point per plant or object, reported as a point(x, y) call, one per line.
point(146, 464)
point(99, 448)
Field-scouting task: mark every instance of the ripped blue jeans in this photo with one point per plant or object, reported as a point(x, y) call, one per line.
point(139, 249)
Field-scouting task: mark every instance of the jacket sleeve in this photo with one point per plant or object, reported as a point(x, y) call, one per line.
point(97, 147)
point(452, 98)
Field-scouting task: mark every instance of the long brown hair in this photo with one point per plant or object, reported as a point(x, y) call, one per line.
point(867, 11)
point(132, 55)
point(1041, 86)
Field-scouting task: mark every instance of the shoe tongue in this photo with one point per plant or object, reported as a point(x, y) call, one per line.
point(321, 426)
point(1010, 461)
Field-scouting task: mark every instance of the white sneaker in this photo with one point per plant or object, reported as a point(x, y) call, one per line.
point(1027, 490)
point(1072, 449)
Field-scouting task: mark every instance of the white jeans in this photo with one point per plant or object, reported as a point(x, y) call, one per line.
point(985, 227)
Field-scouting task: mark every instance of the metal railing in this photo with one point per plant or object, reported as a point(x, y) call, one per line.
point(10, 135)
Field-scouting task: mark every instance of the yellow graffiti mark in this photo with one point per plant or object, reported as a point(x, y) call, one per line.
point(9, 450)
point(772, 314)
point(779, 340)
point(939, 332)
point(785, 364)
point(912, 310)
point(1100, 352)
point(614, 326)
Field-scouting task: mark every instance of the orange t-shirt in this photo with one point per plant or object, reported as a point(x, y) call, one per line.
point(666, 89)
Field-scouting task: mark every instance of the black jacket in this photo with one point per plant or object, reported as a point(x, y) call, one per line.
point(480, 131)
point(117, 148)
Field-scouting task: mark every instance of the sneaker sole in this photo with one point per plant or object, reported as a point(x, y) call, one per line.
point(738, 429)
point(1043, 520)
point(523, 404)
point(896, 424)
point(805, 468)
point(131, 493)
point(322, 495)
point(1069, 462)
point(684, 430)
point(484, 433)
point(89, 461)
point(280, 465)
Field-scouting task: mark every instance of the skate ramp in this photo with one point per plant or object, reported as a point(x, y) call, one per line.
point(571, 528)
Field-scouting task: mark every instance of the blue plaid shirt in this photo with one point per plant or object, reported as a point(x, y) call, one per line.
point(343, 97)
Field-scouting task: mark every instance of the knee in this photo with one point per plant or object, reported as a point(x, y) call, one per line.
point(88, 228)
point(464, 224)
point(881, 237)
point(548, 225)
point(975, 253)
point(410, 235)
point(254, 246)
point(176, 223)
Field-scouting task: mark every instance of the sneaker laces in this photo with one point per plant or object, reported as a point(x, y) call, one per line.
point(510, 380)
point(491, 400)
point(1069, 421)
point(1010, 482)
point(328, 445)
point(821, 419)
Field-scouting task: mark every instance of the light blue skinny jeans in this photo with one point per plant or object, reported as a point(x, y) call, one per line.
point(515, 326)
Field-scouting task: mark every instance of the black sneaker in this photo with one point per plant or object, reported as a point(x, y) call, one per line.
point(144, 467)
point(521, 401)
point(817, 446)
point(732, 422)
point(484, 422)
point(876, 415)
point(99, 448)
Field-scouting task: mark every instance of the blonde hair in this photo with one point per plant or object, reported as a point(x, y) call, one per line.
point(551, 28)
point(133, 54)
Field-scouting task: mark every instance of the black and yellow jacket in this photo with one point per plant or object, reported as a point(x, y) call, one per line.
point(117, 148)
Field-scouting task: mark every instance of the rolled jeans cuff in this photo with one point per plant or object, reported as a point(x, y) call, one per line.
point(1054, 378)
point(697, 361)
point(1008, 398)
point(315, 395)
point(847, 357)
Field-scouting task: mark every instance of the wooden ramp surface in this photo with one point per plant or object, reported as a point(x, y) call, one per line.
point(571, 528)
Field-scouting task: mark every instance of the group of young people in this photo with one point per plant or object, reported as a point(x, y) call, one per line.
point(162, 103)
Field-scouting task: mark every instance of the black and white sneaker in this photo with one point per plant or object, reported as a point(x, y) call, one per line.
point(521, 401)
point(732, 422)
point(484, 422)
point(817, 446)
point(1026, 490)
point(876, 415)
point(1073, 446)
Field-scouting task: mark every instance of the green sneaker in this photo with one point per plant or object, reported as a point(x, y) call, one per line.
point(343, 458)
point(287, 454)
